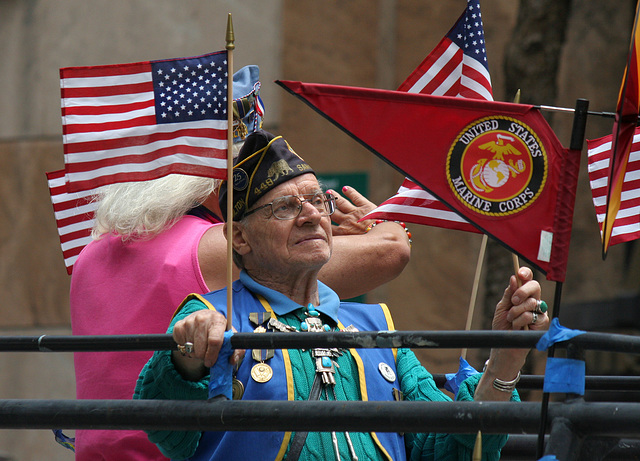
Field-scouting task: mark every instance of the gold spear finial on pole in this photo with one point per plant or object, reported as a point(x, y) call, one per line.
point(230, 37)
point(230, 46)
point(477, 448)
point(516, 98)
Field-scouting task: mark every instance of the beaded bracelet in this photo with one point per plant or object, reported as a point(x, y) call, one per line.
point(380, 221)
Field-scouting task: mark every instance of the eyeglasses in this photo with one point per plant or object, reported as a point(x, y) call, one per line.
point(290, 206)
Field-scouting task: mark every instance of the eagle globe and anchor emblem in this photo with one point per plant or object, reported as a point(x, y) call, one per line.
point(497, 166)
point(490, 173)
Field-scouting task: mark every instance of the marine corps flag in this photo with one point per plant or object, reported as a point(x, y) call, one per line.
point(498, 165)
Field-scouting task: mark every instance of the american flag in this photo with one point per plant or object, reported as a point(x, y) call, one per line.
point(141, 121)
point(627, 112)
point(456, 67)
point(415, 205)
point(74, 213)
point(626, 226)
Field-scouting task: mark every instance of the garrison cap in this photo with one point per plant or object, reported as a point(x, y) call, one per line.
point(248, 109)
point(264, 162)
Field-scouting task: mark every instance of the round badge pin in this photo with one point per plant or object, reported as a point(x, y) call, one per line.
point(240, 179)
point(387, 372)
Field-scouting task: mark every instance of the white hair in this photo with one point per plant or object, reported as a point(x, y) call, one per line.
point(141, 210)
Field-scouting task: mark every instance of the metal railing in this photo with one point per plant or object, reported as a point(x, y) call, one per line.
point(576, 428)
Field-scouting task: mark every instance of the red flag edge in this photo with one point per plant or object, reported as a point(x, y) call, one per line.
point(563, 217)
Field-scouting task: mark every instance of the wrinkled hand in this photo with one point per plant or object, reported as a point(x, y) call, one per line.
point(515, 309)
point(513, 312)
point(348, 212)
point(205, 329)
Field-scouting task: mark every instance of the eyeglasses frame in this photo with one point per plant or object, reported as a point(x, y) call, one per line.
point(330, 199)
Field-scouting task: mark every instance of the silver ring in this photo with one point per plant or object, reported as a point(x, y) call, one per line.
point(535, 318)
point(188, 347)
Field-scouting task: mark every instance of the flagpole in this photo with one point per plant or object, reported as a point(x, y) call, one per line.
point(230, 39)
point(572, 110)
point(516, 262)
point(516, 266)
point(477, 448)
point(575, 148)
point(474, 290)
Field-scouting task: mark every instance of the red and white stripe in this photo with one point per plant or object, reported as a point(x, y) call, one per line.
point(450, 72)
point(415, 205)
point(626, 226)
point(74, 213)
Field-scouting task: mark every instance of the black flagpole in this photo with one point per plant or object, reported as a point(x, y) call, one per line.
point(577, 142)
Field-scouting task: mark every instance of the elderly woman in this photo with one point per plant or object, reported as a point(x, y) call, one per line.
point(281, 240)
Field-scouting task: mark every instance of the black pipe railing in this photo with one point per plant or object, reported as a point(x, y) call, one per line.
point(452, 339)
point(597, 421)
point(521, 447)
point(592, 382)
point(594, 418)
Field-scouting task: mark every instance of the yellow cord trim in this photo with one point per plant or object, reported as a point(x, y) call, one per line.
point(191, 297)
point(289, 374)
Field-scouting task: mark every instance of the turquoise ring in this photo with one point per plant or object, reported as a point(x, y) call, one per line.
point(541, 307)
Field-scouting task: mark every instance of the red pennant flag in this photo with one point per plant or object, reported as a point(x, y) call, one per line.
point(627, 112)
point(498, 165)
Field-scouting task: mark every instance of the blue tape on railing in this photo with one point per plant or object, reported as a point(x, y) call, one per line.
point(564, 375)
point(220, 382)
point(453, 380)
point(556, 333)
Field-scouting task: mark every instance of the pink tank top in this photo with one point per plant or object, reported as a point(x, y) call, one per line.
point(128, 288)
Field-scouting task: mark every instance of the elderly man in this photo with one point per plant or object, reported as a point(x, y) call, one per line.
point(281, 240)
point(157, 241)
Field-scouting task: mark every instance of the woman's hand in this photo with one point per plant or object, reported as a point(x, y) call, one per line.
point(348, 212)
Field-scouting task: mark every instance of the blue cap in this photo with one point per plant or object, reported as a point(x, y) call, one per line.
point(248, 109)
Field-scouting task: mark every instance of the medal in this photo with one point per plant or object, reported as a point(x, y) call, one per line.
point(258, 318)
point(237, 389)
point(261, 372)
